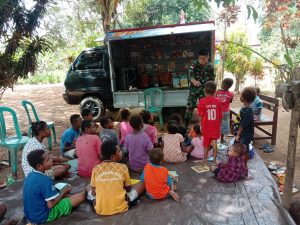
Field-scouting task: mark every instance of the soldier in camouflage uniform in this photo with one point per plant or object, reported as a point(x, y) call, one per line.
point(199, 72)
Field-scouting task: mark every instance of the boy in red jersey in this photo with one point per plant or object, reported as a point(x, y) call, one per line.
point(225, 96)
point(210, 111)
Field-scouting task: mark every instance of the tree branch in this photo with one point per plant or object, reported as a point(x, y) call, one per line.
point(250, 49)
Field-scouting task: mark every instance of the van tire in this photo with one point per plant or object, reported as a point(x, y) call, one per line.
point(95, 105)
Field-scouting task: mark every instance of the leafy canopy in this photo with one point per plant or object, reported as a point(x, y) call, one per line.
point(19, 43)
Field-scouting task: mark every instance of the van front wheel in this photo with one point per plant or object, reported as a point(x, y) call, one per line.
point(95, 105)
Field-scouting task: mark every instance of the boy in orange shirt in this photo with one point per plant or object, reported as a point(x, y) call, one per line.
point(158, 183)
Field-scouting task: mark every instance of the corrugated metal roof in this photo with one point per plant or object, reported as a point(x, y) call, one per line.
point(160, 31)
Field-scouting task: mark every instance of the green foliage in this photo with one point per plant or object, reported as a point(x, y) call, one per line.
point(70, 26)
point(280, 35)
point(237, 58)
point(257, 69)
point(44, 78)
point(252, 11)
point(226, 3)
point(20, 45)
point(140, 13)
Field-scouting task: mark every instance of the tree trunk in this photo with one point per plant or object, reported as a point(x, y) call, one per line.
point(237, 85)
point(290, 167)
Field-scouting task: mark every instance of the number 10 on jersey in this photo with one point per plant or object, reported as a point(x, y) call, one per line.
point(212, 114)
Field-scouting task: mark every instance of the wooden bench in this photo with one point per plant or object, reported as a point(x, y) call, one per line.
point(271, 104)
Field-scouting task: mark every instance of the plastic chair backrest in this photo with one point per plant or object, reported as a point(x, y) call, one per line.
point(25, 103)
point(150, 93)
point(4, 109)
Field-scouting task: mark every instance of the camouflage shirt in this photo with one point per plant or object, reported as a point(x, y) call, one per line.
point(201, 73)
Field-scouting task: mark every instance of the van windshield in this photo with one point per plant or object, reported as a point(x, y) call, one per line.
point(89, 60)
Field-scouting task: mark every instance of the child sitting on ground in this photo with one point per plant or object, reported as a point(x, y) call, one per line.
point(125, 127)
point(210, 111)
point(138, 144)
point(225, 96)
point(173, 144)
point(257, 105)
point(110, 180)
point(108, 133)
point(245, 131)
point(40, 130)
point(158, 183)
point(42, 203)
point(148, 127)
point(87, 114)
point(234, 169)
point(197, 143)
point(69, 137)
point(88, 147)
point(181, 129)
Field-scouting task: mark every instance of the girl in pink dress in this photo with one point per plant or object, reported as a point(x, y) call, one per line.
point(197, 143)
point(125, 127)
point(148, 127)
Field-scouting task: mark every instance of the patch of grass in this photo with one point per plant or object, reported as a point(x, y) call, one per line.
point(44, 78)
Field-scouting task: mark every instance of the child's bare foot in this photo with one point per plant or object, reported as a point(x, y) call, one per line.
point(204, 162)
point(215, 162)
point(3, 183)
point(174, 195)
point(212, 168)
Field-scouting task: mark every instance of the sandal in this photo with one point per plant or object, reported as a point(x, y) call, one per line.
point(268, 149)
point(263, 146)
point(272, 167)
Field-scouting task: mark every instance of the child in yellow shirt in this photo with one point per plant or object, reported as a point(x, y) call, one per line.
point(110, 183)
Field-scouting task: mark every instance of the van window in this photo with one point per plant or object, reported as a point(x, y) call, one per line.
point(90, 60)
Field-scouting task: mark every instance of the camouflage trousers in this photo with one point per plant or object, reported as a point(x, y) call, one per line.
point(195, 94)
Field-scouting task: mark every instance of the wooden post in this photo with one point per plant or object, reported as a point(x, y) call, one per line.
point(224, 47)
point(290, 167)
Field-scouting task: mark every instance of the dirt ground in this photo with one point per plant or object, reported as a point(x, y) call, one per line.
point(51, 107)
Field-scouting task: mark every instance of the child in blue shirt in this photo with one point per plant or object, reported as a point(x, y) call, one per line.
point(245, 133)
point(69, 137)
point(42, 202)
point(257, 105)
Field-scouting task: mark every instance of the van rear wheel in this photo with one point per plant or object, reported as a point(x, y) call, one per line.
point(95, 105)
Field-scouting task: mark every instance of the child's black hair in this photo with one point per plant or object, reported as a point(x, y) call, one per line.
point(136, 122)
point(196, 129)
point(104, 121)
point(173, 127)
point(227, 83)
point(73, 118)
point(85, 112)
point(36, 127)
point(85, 124)
point(156, 155)
point(210, 87)
point(108, 148)
point(203, 51)
point(176, 117)
point(146, 116)
point(125, 114)
point(249, 94)
point(238, 148)
point(35, 157)
point(257, 89)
